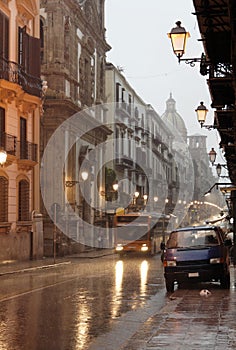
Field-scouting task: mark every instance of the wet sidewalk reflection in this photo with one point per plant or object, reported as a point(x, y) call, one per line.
point(191, 321)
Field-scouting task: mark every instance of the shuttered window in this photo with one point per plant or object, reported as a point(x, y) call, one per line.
point(29, 53)
point(4, 36)
point(23, 206)
point(3, 199)
point(23, 139)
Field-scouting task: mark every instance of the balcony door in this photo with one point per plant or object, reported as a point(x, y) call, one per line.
point(4, 36)
point(23, 138)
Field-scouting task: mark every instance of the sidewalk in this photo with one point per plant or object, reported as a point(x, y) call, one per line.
point(189, 321)
point(14, 266)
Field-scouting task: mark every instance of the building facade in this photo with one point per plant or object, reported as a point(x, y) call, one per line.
point(73, 51)
point(20, 110)
point(140, 148)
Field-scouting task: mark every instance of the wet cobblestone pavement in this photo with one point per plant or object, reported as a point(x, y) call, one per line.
point(192, 322)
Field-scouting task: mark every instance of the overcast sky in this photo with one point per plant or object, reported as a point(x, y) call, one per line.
point(137, 32)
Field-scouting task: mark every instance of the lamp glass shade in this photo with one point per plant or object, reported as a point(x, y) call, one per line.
point(3, 156)
point(212, 156)
point(115, 186)
point(201, 113)
point(136, 194)
point(218, 169)
point(178, 36)
point(145, 197)
point(84, 175)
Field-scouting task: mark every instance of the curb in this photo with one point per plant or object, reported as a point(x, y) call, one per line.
point(28, 269)
point(34, 268)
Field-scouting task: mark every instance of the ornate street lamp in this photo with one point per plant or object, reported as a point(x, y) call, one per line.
point(201, 111)
point(212, 156)
point(136, 195)
point(84, 175)
point(218, 169)
point(3, 156)
point(178, 37)
point(71, 183)
point(145, 197)
point(115, 186)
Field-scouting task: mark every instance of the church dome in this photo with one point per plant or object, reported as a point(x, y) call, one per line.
point(173, 119)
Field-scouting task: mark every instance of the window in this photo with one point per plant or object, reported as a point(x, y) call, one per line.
point(23, 139)
point(41, 41)
point(4, 36)
point(117, 92)
point(123, 95)
point(23, 198)
point(3, 199)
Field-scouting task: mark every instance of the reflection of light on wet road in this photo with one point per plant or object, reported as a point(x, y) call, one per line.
point(143, 277)
point(3, 342)
point(82, 324)
point(117, 299)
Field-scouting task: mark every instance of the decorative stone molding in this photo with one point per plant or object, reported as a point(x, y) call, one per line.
point(25, 164)
point(27, 8)
point(7, 96)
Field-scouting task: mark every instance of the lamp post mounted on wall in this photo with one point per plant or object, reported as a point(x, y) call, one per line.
point(178, 37)
point(212, 158)
point(202, 111)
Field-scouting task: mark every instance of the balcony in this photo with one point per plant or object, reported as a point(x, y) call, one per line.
point(157, 139)
point(25, 152)
point(8, 143)
point(14, 73)
point(27, 155)
point(123, 109)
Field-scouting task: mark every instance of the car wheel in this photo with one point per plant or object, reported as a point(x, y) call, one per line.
point(225, 281)
point(169, 286)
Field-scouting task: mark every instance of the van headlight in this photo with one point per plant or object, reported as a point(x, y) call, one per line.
point(119, 247)
point(144, 248)
point(215, 261)
point(169, 263)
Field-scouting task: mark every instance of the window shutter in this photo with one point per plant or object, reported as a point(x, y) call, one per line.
point(34, 56)
point(29, 53)
point(4, 36)
point(23, 210)
point(3, 199)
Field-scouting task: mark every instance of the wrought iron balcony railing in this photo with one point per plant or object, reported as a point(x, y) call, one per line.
point(14, 73)
point(8, 143)
point(21, 149)
point(27, 150)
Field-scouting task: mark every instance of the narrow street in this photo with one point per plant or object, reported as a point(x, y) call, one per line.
point(73, 306)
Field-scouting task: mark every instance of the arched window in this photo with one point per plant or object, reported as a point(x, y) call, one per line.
point(23, 198)
point(3, 199)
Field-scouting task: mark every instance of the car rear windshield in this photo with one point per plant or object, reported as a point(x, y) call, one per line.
point(192, 238)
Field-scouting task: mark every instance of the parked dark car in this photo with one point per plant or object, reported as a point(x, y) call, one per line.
point(196, 254)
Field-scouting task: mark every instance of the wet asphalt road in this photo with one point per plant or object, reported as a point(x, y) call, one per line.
point(88, 304)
